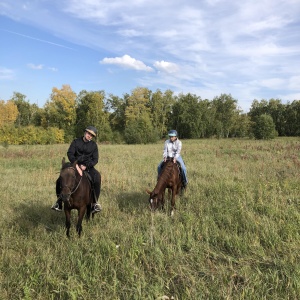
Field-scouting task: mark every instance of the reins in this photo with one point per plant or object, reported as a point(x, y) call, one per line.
point(76, 188)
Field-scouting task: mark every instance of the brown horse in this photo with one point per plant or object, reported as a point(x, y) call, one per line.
point(76, 194)
point(169, 178)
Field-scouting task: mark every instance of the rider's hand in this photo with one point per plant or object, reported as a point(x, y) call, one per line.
point(165, 159)
point(82, 167)
point(174, 160)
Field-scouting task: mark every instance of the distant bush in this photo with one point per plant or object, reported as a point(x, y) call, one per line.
point(140, 132)
point(264, 128)
point(30, 135)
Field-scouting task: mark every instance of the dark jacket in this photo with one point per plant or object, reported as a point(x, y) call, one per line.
point(86, 153)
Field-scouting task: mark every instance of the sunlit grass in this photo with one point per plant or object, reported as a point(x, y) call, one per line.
point(235, 234)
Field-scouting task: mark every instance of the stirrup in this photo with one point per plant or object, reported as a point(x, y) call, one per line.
point(96, 208)
point(56, 207)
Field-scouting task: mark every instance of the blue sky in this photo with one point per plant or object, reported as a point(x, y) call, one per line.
point(249, 49)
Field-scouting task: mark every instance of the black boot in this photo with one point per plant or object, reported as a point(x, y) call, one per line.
point(96, 194)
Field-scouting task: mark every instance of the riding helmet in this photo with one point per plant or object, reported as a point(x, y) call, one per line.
point(172, 133)
point(92, 130)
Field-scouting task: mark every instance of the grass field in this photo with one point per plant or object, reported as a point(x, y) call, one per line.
point(235, 233)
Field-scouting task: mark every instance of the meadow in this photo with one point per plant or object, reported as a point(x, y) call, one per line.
point(234, 235)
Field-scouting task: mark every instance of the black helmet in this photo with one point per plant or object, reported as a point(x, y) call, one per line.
point(172, 133)
point(92, 130)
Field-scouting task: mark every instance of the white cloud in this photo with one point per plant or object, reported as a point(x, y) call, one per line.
point(127, 62)
point(294, 83)
point(273, 83)
point(166, 66)
point(289, 97)
point(53, 69)
point(6, 74)
point(129, 32)
point(249, 49)
point(35, 67)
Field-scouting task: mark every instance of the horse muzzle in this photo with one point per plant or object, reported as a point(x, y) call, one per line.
point(152, 204)
point(65, 197)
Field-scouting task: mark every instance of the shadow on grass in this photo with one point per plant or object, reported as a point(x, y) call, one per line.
point(132, 202)
point(32, 217)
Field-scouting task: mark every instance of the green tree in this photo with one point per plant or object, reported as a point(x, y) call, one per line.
point(161, 107)
point(116, 106)
point(187, 116)
point(139, 127)
point(206, 128)
point(138, 105)
point(292, 118)
point(242, 126)
point(60, 111)
point(277, 111)
point(258, 108)
point(274, 108)
point(226, 113)
point(26, 110)
point(264, 128)
point(91, 111)
point(140, 131)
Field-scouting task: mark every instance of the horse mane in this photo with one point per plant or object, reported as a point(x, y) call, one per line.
point(67, 165)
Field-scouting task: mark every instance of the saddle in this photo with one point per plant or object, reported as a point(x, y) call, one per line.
point(90, 179)
point(178, 166)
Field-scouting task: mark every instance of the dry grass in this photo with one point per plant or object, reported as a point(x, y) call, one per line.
point(235, 234)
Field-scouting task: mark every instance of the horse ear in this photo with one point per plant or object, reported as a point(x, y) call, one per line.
point(63, 161)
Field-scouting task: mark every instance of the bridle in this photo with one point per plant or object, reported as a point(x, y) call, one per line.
point(76, 187)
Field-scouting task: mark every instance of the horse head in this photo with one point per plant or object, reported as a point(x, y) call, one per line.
point(68, 179)
point(154, 200)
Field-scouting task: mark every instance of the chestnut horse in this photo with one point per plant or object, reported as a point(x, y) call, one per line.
point(169, 178)
point(76, 193)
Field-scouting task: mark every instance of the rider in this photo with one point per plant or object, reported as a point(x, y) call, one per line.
point(172, 148)
point(85, 152)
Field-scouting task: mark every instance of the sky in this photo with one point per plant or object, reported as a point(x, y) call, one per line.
point(248, 49)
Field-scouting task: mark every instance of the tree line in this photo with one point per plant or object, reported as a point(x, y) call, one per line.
point(143, 116)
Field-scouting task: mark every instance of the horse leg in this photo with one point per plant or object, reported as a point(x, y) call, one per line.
point(173, 200)
point(88, 212)
point(81, 213)
point(68, 222)
point(163, 200)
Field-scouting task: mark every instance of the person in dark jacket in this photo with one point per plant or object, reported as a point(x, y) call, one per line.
point(85, 151)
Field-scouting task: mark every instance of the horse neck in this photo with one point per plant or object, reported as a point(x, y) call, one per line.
point(165, 175)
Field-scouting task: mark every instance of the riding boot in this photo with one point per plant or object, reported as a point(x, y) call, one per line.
point(96, 193)
point(58, 204)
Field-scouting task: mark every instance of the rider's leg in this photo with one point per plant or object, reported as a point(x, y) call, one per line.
point(58, 204)
point(183, 168)
point(159, 168)
point(96, 187)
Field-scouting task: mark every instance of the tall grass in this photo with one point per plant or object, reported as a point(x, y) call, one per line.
point(235, 234)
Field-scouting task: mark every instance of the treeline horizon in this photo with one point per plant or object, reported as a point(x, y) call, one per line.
point(142, 117)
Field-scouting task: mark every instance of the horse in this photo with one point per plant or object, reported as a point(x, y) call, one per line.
point(169, 178)
point(76, 193)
